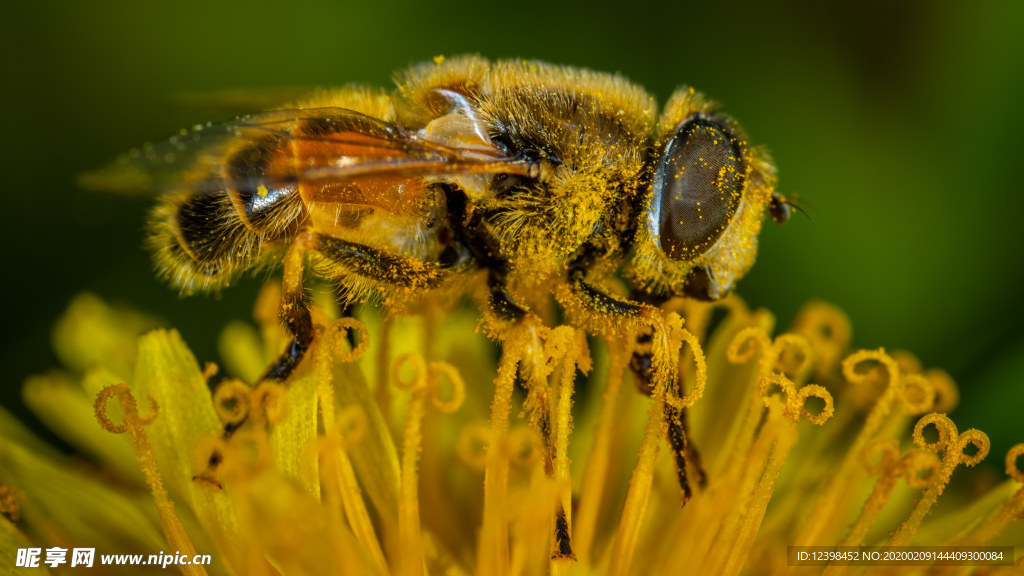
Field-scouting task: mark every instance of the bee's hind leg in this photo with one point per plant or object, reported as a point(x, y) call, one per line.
point(346, 309)
point(371, 263)
point(378, 265)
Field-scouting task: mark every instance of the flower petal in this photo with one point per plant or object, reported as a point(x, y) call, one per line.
point(167, 371)
point(63, 502)
point(10, 540)
point(91, 333)
point(69, 412)
point(292, 439)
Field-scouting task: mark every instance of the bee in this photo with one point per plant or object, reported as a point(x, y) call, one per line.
point(522, 180)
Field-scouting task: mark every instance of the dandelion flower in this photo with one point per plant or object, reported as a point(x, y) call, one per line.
point(421, 451)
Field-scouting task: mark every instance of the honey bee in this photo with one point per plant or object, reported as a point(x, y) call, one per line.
point(519, 179)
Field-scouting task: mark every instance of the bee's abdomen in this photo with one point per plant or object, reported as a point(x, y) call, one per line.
point(259, 195)
point(205, 236)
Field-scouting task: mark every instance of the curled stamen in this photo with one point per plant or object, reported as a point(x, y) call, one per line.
point(919, 468)
point(907, 362)
point(669, 336)
point(128, 407)
point(839, 489)
point(952, 445)
point(855, 360)
point(520, 343)
point(133, 424)
point(947, 396)
point(827, 329)
point(795, 401)
point(270, 401)
point(437, 370)
point(784, 384)
point(351, 425)
point(524, 446)
point(793, 355)
point(917, 395)
point(337, 332)
point(472, 443)
point(945, 428)
point(976, 439)
point(231, 402)
point(101, 412)
point(246, 454)
point(702, 369)
point(426, 380)
point(742, 348)
point(887, 453)
point(888, 469)
point(418, 381)
point(1013, 470)
point(815, 391)
point(409, 533)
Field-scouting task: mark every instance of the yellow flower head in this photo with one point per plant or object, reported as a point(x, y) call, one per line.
point(421, 451)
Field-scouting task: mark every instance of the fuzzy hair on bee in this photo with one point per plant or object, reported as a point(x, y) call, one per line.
point(522, 182)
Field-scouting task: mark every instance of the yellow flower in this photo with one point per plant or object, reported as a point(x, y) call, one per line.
point(422, 451)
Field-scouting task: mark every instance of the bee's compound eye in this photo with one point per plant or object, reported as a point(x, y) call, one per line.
point(697, 187)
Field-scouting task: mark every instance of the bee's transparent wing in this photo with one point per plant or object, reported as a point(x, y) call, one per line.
point(166, 165)
point(323, 143)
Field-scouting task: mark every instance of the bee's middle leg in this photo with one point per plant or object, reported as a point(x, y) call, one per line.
point(299, 322)
point(294, 312)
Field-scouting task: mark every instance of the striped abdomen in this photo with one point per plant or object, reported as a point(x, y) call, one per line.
point(230, 221)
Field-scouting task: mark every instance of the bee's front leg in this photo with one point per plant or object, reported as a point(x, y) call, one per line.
point(599, 304)
point(684, 451)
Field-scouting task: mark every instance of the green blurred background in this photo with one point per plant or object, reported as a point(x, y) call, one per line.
point(898, 125)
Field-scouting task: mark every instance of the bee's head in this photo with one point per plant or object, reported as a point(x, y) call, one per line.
point(700, 218)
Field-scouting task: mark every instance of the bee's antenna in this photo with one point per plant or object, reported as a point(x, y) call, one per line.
point(780, 208)
point(797, 207)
